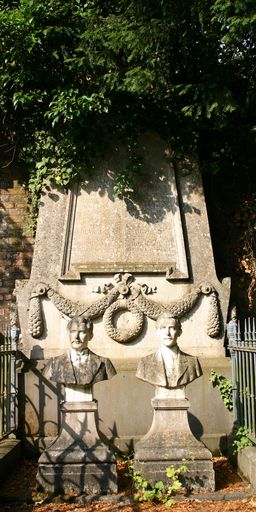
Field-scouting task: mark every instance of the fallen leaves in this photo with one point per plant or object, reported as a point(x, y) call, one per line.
point(21, 487)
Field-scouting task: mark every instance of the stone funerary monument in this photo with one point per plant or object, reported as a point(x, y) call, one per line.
point(121, 263)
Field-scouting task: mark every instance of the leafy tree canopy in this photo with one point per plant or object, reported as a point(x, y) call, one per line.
point(75, 72)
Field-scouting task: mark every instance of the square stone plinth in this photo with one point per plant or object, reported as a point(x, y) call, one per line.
point(78, 461)
point(198, 476)
point(170, 442)
point(88, 478)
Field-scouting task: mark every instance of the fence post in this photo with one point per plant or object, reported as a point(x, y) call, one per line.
point(232, 329)
point(243, 356)
point(14, 334)
point(8, 351)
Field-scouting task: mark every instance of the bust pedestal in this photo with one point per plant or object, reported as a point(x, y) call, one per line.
point(169, 441)
point(78, 461)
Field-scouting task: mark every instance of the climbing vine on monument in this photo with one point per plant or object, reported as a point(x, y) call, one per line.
point(225, 388)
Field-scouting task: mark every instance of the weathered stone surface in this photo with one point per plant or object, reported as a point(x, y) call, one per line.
point(199, 475)
point(53, 244)
point(168, 367)
point(170, 442)
point(10, 453)
point(246, 463)
point(142, 232)
point(78, 461)
point(90, 478)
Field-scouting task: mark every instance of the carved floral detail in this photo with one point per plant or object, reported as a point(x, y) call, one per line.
point(124, 295)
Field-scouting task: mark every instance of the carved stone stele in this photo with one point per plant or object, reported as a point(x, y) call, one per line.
point(88, 240)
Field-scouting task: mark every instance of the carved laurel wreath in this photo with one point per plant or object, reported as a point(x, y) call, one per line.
point(125, 295)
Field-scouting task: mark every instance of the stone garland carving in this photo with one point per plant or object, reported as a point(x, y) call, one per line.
point(125, 295)
point(179, 308)
point(213, 323)
point(128, 334)
point(71, 309)
point(36, 327)
point(65, 306)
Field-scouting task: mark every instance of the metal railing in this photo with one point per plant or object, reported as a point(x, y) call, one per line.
point(8, 350)
point(242, 346)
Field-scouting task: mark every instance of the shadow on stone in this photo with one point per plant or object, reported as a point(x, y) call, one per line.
point(78, 461)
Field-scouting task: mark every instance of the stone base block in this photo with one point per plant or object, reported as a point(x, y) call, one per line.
point(170, 442)
point(158, 446)
point(78, 461)
point(78, 478)
point(10, 453)
point(246, 463)
point(199, 475)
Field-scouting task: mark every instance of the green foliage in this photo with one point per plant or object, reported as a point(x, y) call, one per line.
point(126, 179)
point(240, 434)
point(75, 74)
point(246, 219)
point(157, 492)
point(240, 439)
point(225, 387)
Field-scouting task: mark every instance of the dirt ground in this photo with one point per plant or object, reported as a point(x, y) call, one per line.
point(19, 494)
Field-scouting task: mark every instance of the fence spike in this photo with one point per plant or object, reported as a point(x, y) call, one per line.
point(245, 330)
point(238, 333)
point(249, 330)
point(253, 331)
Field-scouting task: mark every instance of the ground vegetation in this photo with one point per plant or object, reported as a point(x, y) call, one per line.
point(19, 493)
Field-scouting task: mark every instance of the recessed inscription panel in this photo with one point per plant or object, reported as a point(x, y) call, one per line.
point(140, 233)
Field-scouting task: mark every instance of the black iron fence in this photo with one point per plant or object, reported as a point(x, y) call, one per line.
point(242, 346)
point(8, 350)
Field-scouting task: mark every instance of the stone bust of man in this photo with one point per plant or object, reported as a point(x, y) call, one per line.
point(79, 365)
point(168, 367)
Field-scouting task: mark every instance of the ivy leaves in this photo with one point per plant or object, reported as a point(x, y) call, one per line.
point(67, 105)
point(225, 388)
point(71, 71)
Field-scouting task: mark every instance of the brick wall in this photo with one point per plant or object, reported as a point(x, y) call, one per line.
point(16, 245)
